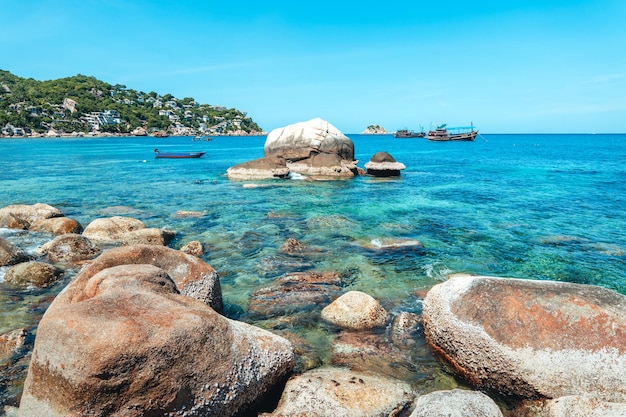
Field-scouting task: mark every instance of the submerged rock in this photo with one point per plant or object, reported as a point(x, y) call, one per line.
point(194, 248)
point(531, 338)
point(38, 274)
point(297, 292)
point(10, 254)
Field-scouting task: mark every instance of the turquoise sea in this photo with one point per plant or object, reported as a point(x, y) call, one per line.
point(526, 206)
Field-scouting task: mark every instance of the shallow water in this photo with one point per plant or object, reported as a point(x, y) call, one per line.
point(527, 206)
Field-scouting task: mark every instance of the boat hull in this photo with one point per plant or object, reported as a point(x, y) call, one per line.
point(408, 134)
point(178, 155)
point(440, 137)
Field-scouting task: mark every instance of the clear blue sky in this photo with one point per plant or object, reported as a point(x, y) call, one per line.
point(507, 66)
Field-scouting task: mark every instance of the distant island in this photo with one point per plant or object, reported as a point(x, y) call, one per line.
point(374, 130)
point(85, 106)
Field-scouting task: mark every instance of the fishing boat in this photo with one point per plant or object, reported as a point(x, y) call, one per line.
point(445, 133)
point(177, 155)
point(405, 133)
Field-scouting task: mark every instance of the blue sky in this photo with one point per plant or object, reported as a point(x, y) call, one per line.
point(507, 66)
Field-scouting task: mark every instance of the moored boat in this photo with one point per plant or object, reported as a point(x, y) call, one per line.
point(177, 155)
point(405, 133)
point(444, 133)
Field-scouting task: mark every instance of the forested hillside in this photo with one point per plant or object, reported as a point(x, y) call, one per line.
point(85, 104)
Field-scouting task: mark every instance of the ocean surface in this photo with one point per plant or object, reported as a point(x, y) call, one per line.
point(544, 207)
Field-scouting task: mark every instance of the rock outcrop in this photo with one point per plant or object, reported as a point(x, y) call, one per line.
point(124, 342)
point(383, 164)
point(531, 339)
point(314, 148)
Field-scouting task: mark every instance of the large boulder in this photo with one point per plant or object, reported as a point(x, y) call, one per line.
point(531, 338)
point(269, 167)
point(314, 147)
point(193, 277)
point(337, 392)
point(124, 342)
point(21, 216)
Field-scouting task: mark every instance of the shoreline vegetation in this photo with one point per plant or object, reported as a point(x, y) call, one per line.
point(83, 106)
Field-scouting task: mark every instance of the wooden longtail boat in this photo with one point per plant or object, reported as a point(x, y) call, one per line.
point(443, 133)
point(177, 155)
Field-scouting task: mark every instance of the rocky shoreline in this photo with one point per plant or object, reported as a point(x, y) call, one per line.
point(52, 134)
point(140, 330)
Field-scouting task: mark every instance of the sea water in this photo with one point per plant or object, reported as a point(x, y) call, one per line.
point(544, 207)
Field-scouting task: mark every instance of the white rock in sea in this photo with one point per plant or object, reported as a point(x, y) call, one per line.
point(355, 310)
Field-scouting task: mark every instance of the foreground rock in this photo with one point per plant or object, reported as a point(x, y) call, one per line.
point(383, 164)
point(193, 277)
point(124, 342)
point(337, 392)
point(456, 403)
point(22, 216)
point(531, 338)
